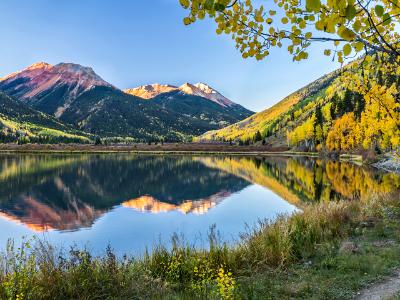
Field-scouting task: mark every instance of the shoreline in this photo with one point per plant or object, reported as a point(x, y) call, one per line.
point(166, 149)
point(286, 154)
point(385, 163)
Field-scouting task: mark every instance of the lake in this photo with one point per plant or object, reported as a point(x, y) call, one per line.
point(132, 201)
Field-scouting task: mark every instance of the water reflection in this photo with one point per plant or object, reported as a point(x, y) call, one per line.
point(298, 179)
point(137, 198)
point(70, 192)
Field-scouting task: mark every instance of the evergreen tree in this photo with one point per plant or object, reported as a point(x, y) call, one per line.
point(257, 137)
point(318, 124)
point(319, 117)
point(347, 101)
point(98, 141)
point(359, 105)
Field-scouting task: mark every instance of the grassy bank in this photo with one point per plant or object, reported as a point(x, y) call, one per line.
point(330, 250)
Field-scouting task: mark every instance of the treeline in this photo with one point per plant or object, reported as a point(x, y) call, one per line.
point(356, 111)
point(351, 115)
point(21, 139)
point(313, 132)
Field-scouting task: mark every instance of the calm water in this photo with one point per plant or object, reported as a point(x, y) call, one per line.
point(134, 201)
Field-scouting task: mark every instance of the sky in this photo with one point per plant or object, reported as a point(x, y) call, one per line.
point(136, 42)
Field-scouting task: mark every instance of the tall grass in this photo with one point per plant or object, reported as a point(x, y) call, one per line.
point(36, 270)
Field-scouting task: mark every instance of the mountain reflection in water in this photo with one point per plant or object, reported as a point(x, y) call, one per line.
point(70, 192)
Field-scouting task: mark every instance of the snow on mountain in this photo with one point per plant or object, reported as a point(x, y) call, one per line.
point(214, 95)
point(151, 90)
point(198, 89)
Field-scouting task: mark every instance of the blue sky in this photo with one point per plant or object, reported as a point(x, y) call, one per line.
point(135, 42)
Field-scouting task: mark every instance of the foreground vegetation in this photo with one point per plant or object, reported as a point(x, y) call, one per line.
point(329, 250)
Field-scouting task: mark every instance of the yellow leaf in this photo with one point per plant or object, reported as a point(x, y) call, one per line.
point(346, 34)
point(347, 49)
point(184, 3)
point(313, 5)
point(358, 46)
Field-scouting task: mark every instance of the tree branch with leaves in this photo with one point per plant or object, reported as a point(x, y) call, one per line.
point(350, 26)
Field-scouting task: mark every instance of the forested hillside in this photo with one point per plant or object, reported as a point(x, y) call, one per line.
point(22, 124)
point(265, 123)
point(115, 115)
point(327, 115)
point(347, 117)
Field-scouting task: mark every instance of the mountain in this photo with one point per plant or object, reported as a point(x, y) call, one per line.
point(266, 121)
point(108, 112)
point(198, 89)
point(150, 90)
point(204, 90)
point(198, 101)
point(78, 96)
point(19, 122)
point(51, 89)
point(201, 109)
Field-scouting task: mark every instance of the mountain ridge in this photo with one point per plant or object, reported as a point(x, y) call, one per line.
point(49, 88)
point(200, 89)
point(76, 95)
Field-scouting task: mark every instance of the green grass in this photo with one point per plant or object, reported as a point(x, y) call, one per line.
point(299, 256)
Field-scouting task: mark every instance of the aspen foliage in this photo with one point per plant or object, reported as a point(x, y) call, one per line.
point(377, 79)
point(304, 132)
point(364, 109)
point(349, 26)
point(360, 111)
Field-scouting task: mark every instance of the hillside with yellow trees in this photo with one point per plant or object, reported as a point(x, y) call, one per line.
point(348, 110)
point(265, 122)
point(359, 110)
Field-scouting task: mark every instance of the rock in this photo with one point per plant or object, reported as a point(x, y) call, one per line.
point(368, 223)
point(390, 162)
point(348, 247)
point(384, 243)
